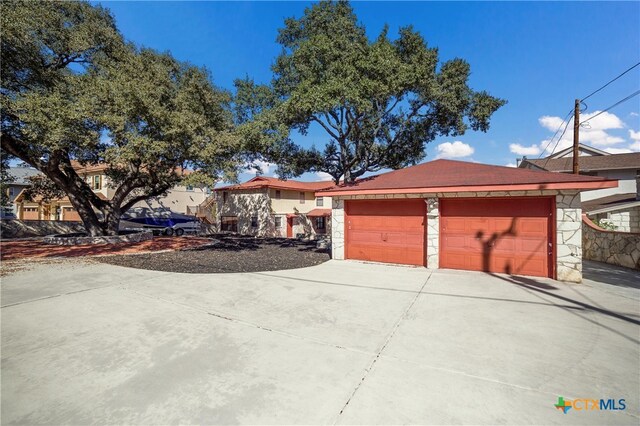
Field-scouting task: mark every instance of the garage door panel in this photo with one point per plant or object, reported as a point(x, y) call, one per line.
point(385, 231)
point(493, 241)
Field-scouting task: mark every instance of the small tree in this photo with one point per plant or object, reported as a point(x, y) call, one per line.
point(72, 89)
point(379, 102)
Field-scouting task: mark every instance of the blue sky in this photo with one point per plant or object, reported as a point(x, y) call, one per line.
point(539, 56)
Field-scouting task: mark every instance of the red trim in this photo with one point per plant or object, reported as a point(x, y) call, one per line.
point(470, 188)
point(289, 226)
point(553, 263)
point(592, 225)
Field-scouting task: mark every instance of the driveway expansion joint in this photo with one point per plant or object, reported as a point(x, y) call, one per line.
point(382, 348)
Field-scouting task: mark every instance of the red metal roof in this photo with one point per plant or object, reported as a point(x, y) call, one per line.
point(270, 182)
point(450, 175)
point(319, 212)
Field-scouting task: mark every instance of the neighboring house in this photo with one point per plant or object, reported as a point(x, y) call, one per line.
point(179, 199)
point(266, 206)
point(21, 177)
point(459, 215)
point(618, 206)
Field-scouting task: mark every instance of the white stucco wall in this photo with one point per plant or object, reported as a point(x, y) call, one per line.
point(626, 184)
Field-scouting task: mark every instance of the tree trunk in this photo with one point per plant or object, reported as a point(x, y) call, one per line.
point(111, 224)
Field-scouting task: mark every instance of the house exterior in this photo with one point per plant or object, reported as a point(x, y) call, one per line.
point(459, 215)
point(179, 199)
point(270, 207)
point(618, 206)
point(21, 177)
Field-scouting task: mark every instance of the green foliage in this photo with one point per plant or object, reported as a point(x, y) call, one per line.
point(73, 89)
point(605, 225)
point(378, 101)
point(5, 180)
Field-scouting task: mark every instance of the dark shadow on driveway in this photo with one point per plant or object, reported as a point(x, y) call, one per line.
point(610, 274)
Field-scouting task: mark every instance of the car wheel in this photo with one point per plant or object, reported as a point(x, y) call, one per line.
point(168, 232)
point(179, 232)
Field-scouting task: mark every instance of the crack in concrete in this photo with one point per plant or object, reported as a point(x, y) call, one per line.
point(382, 348)
point(246, 323)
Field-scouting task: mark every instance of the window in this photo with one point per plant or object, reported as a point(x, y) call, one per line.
point(190, 188)
point(278, 222)
point(278, 194)
point(12, 191)
point(320, 222)
point(254, 221)
point(224, 197)
point(302, 198)
point(97, 182)
point(229, 223)
point(319, 201)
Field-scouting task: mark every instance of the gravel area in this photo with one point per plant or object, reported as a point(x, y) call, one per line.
point(229, 254)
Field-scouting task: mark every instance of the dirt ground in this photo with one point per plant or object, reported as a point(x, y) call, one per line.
point(35, 248)
point(229, 254)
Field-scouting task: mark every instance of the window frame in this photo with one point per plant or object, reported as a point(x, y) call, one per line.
point(277, 222)
point(321, 219)
point(302, 197)
point(319, 201)
point(278, 194)
point(254, 221)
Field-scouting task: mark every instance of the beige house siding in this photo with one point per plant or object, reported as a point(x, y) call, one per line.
point(262, 203)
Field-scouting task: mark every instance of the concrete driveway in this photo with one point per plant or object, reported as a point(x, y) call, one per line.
point(338, 343)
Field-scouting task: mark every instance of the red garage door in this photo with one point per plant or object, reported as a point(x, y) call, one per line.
point(389, 231)
point(506, 235)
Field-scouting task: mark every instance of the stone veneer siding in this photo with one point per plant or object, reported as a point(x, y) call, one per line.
point(613, 247)
point(568, 225)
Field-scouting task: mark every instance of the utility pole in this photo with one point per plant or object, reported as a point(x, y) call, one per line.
point(576, 137)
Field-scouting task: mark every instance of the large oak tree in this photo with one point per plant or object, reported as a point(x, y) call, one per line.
point(74, 90)
point(378, 101)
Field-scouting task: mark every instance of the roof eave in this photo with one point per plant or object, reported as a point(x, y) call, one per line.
point(588, 185)
point(620, 206)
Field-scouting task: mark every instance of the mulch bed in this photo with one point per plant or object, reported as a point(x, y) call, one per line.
point(24, 249)
point(229, 254)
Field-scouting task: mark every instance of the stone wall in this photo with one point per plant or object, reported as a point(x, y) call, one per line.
point(568, 225)
point(14, 228)
point(337, 229)
point(433, 234)
point(613, 247)
point(568, 236)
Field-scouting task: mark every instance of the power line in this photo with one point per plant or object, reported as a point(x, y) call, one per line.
point(611, 81)
point(636, 93)
point(554, 135)
point(557, 142)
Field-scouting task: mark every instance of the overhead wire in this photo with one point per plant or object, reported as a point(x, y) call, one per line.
point(636, 93)
point(610, 81)
point(554, 135)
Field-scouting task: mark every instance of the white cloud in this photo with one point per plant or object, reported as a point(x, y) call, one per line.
point(511, 165)
point(518, 149)
point(618, 150)
point(634, 114)
point(594, 131)
point(634, 135)
point(454, 149)
point(261, 167)
point(635, 146)
point(323, 176)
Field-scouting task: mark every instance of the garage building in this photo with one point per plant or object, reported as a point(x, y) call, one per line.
point(459, 215)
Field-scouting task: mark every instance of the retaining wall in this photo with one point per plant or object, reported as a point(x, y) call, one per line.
point(614, 247)
point(14, 228)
